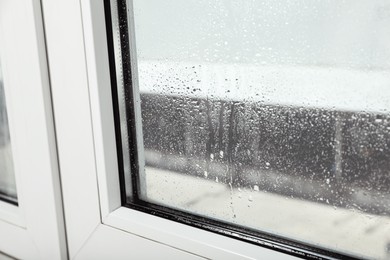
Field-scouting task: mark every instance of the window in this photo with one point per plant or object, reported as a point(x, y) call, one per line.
point(264, 121)
point(31, 213)
point(7, 176)
point(205, 129)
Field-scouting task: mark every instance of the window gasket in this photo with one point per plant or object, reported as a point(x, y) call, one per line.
point(8, 199)
point(256, 237)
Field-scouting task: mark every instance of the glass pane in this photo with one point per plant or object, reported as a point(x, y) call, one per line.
point(273, 115)
point(7, 177)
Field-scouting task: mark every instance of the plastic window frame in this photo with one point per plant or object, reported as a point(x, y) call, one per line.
point(112, 198)
point(97, 223)
point(33, 227)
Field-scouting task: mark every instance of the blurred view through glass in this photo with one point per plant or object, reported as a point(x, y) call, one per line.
point(272, 115)
point(7, 178)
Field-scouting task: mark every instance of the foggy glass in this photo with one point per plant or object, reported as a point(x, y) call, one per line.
point(7, 177)
point(273, 115)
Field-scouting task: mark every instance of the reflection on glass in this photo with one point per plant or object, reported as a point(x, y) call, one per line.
point(7, 177)
point(272, 115)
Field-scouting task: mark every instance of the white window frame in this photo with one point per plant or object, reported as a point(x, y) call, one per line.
point(35, 228)
point(96, 223)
